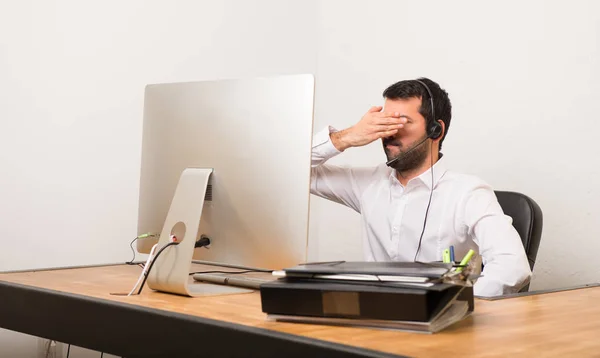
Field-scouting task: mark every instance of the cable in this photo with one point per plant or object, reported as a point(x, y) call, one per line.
point(428, 204)
point(143, 274)
point(143, 236)
point(68, 350)
point(433, 118)
point(224, 265)
point(204, 241)
point(147, 273)
point(48, 348)
point(332, 263)
point(133, 251)
point(101, 354)
point(232, 272)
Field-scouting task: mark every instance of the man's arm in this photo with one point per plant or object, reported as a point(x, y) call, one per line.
point(344, 185)
point(506, 269)
point(339, 184)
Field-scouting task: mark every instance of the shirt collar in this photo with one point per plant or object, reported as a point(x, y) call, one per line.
point(439, 169)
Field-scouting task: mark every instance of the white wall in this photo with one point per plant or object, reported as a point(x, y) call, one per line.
point(16, 345)
point(523, 78)
point(72, 77)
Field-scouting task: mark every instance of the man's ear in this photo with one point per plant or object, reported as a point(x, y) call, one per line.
point(443, 130)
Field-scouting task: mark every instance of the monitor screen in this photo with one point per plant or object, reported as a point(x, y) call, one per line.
point(255, 135)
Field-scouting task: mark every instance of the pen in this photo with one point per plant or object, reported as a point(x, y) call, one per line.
point(465, 260)
point(452, 253)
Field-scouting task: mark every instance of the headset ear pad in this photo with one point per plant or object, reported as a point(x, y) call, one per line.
point(435, 131)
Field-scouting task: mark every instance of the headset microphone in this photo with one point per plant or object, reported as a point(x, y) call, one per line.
point(434, 132)
point(390, 162)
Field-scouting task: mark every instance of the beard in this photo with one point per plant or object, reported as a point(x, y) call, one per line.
point(409, 159)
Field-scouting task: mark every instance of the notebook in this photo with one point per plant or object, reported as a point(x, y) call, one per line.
point(429, 309)
point(414, 272)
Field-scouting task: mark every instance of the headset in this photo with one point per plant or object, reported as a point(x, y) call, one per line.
point(433, 128)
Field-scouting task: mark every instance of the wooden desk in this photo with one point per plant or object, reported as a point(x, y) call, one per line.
point(75, 306)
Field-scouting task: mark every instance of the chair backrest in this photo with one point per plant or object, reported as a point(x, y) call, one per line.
point(527, 220)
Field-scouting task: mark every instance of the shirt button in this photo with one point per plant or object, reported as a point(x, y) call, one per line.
point(395, 229)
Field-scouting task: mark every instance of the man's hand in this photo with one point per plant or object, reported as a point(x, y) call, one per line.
point(373, 125)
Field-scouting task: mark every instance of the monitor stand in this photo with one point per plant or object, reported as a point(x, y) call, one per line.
point(170, 272)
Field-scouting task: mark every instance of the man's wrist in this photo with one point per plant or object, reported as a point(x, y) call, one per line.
point(337, 139)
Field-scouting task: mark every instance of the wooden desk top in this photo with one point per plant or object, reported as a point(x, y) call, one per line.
point(555, 324)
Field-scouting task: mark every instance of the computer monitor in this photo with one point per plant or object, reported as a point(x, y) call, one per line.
point(255, 136)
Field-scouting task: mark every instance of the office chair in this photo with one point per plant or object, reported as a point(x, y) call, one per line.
point(527, 220)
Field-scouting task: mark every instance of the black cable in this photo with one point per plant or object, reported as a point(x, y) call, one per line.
point(152, 263)
point(232, 272)
point(101, 354)
point(332, 263)
point(205, 241)
point(68, 350)
point(433, 119)
point(428, 204)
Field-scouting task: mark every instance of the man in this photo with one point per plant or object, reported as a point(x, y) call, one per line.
point(414, 208)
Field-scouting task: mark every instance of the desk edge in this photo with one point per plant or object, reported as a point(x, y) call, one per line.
point(36, 311)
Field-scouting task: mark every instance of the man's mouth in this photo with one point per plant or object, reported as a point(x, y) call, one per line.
point(391, 144)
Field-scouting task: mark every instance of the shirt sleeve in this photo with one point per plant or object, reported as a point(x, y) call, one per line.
point(506, 268)
point(339, 184)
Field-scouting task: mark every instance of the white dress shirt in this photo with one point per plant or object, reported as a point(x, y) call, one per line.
point(464, 212)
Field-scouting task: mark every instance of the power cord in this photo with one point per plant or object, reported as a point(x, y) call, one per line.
point(203, 242)
point(69, 352)
point(152, 251)
point(150, 260)
point(145, 273)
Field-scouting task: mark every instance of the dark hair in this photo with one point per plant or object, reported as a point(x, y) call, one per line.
point(411, 88)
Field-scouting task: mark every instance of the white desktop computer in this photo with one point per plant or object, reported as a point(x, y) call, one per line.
point(228, 160)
